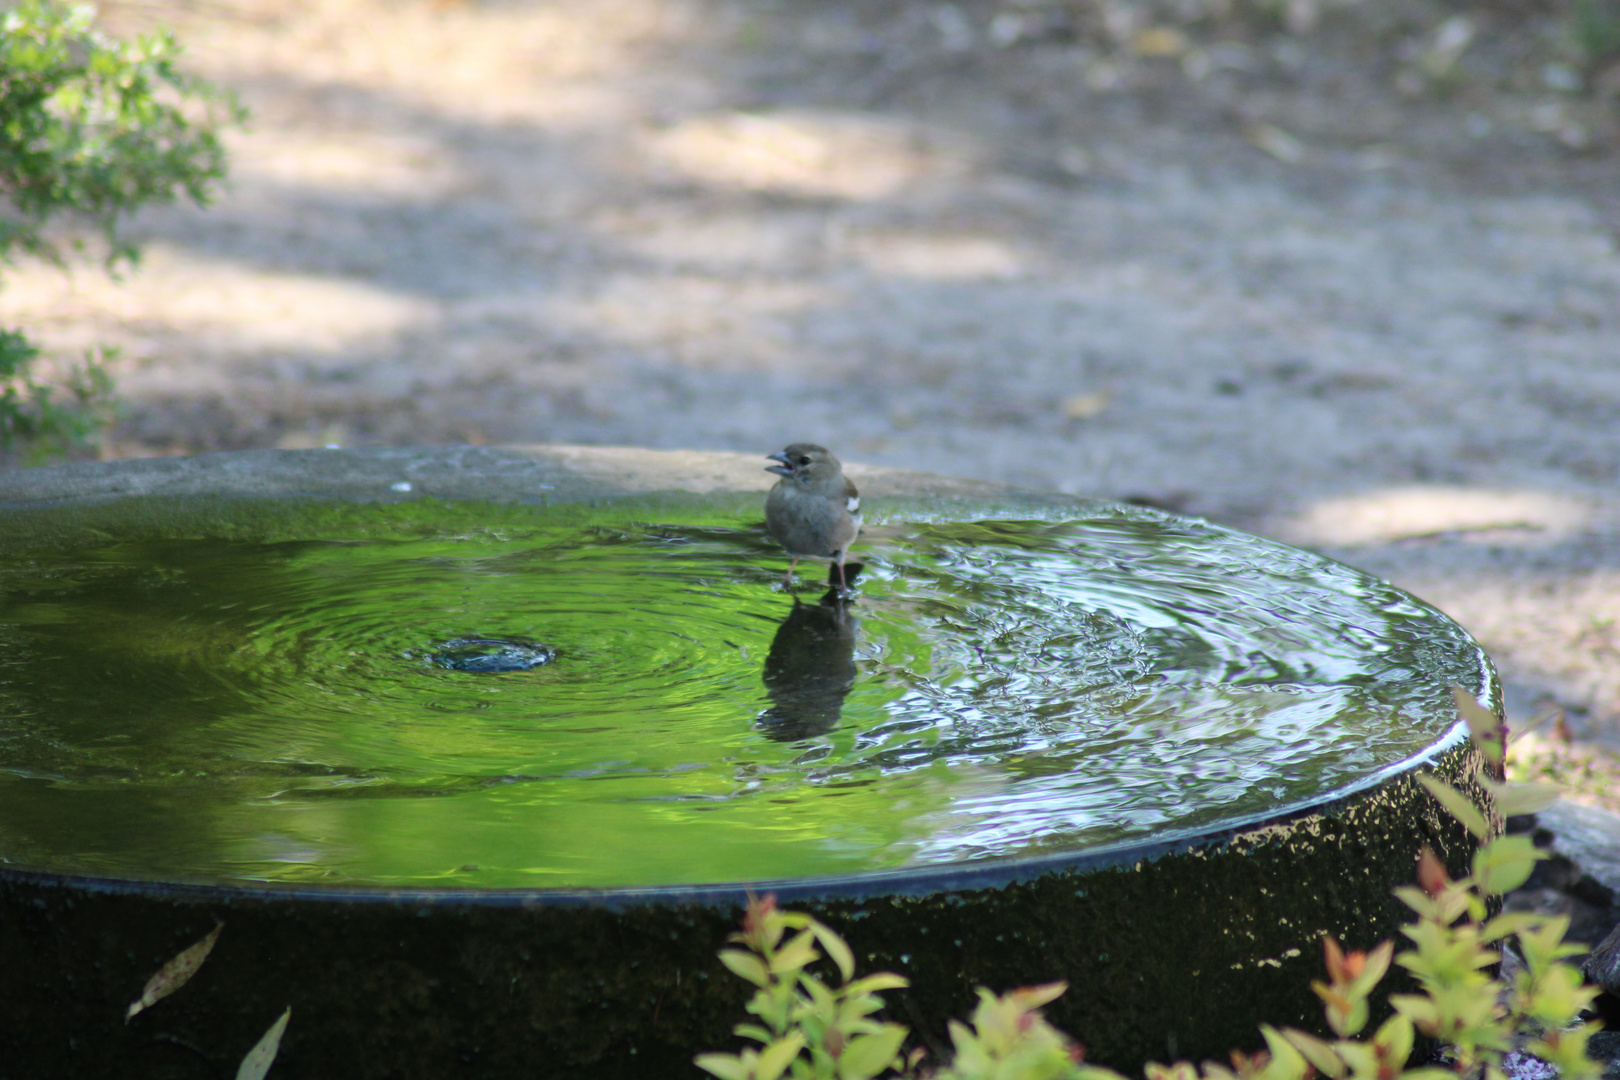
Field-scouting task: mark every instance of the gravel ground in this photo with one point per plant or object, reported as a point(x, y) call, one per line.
point(1343, 273)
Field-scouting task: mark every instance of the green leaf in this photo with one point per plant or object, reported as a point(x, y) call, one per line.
point(1316, 1051)
point(1458, 901)
point(859, 1005)
point(1361, 1057)
point(821, 995)
point(1344, 1011)
point(1286, 1062)
point(1421, 903)
point(725, 1066)
point(1565, 1050)
point(1559, 996)
point(799, 952)
point(1416, 1008)
point(1033, 997)
point(746, 965)
point(869, 1055)
point(1543, 945)
point(1505, 863)
point(1376, 967)
point(1394, 1039)
point(962, 1037)
point(776, 1057)
point(1457, 804)
point(1482, 723)
point(259, 1059)
point(1096, 1072)
point(1512, 800)
point(1510, 922)
point(881, 980)
point(752, 1031)
point(836, 948)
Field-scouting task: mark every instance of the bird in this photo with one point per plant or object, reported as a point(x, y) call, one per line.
point(814, 509)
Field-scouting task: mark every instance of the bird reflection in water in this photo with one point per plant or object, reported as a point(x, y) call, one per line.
point(811, 666)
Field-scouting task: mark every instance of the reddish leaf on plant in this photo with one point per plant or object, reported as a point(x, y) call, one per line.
point(1431, 872)
point(1342, 967)
point(1248, 1065)
point(760, 909)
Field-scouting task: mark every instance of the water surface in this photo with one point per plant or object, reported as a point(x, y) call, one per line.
point(238, 710)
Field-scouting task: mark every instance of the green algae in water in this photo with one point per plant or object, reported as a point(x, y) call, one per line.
point(222, 709)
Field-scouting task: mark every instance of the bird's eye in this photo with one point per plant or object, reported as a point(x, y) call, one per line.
point(804, 461)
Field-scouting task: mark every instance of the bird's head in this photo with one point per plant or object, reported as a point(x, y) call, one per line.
point(805, 462)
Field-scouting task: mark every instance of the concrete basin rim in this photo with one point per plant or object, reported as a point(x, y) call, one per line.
point(919, 880)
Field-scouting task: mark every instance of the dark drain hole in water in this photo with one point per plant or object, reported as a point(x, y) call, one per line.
point(492, 656)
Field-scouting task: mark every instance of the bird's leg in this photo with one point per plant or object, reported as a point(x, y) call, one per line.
point(843, 586)
point(787, 582)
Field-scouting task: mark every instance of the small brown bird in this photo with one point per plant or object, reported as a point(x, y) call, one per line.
point(813, 510)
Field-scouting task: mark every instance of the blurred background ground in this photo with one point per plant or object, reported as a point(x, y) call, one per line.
point(1345, 272)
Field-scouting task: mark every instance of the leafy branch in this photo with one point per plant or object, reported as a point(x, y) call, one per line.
point(807, 1029)
point(91, 129)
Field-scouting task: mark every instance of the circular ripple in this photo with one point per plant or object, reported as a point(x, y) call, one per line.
point(221, 709)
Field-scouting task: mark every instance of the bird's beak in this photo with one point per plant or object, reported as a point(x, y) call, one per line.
point(782, 469)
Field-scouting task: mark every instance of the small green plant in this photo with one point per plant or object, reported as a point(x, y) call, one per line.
point(91, 130)
point(807, 1029)
point(51, 419)
point(813, 1032)
point(1010, 1038)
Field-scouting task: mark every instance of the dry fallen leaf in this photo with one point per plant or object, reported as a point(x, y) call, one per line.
point(1159, 42)
point(1085, 406)
point(263, 1055)
point(1451, 40)
point(175, 974)
point(1276, 142)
